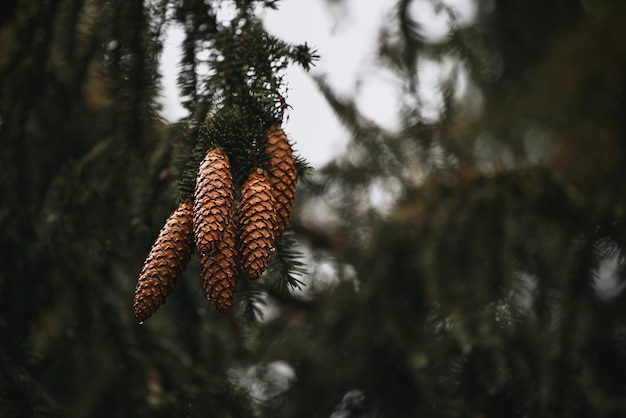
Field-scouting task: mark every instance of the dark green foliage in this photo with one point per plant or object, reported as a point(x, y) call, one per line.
point(89, 176)
point(243, 91)
point(287, 265)
point(244, 63)
point(480, 291)
point(240, 135)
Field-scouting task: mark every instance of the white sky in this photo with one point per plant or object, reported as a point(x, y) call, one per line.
point(345, 38)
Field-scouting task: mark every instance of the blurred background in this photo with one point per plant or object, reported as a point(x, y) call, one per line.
point(460, 227)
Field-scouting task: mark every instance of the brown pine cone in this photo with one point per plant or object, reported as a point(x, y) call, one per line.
point(166, 260)
point(213, 200)
point(282, 176)
point(257, 221)
point(219, 270)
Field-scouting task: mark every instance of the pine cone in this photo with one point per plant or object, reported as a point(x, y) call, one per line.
point(213, 200)
point(168, 256)
point(282, 176)
point(219, 270)
point(257, 220)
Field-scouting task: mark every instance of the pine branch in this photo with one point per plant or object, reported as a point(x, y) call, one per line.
point(287, 265)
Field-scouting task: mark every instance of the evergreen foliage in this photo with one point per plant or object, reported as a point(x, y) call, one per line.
point(481, 288)
point(489, 284)
point(90, 178)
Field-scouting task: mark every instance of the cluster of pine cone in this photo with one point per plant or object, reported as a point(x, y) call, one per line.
point(233, 236)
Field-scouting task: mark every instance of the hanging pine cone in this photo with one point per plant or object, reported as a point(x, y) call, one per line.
point(257, 220)
point(219, 270)
point(213, 200)
point(166, 260)
point(282, 176)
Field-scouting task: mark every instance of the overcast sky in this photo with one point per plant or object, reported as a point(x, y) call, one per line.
point(345, 37)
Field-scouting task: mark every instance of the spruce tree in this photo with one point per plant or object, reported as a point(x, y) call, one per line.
point(480, 290)
point(92, 174)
